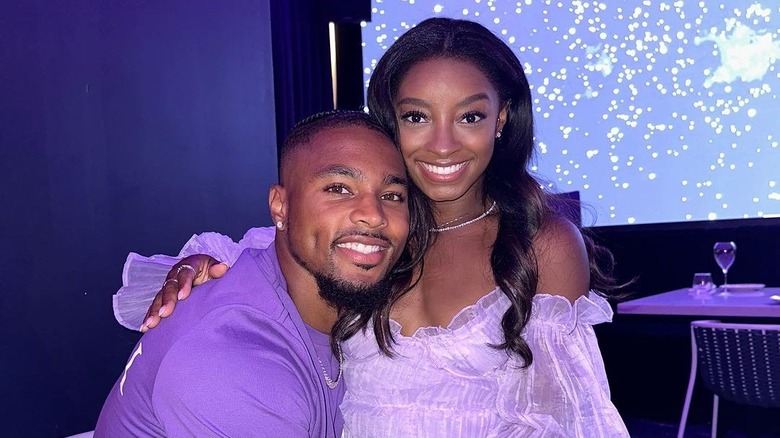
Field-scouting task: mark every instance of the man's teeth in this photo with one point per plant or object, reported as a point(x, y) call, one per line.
point(443, 170)
point(359, 247)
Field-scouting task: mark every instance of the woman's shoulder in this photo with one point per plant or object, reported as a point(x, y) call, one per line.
point(562, 259)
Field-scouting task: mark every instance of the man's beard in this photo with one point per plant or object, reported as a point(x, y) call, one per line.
point(344, 295)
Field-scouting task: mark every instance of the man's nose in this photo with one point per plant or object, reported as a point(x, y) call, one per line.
point(369, 211)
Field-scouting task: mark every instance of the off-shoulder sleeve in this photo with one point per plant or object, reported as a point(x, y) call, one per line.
point(565, 391)
point(142, 276)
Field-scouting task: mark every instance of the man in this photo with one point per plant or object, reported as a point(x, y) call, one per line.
point(249, 356)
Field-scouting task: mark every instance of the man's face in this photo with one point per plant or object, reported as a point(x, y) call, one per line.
point(347, 216)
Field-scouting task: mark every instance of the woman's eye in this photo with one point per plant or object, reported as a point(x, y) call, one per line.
point(473, 117)
point(413, 117)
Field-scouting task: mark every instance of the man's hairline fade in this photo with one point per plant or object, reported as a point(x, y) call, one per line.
point(305, 130)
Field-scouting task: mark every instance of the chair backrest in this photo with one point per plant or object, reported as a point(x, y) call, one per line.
point(739, 362)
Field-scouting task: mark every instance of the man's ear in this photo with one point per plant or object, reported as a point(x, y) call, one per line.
point(277, 204)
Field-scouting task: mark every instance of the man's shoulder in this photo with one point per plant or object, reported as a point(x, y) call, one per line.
point(246, 309)
point(254, 281)
point(244, 321)
point(240, 323)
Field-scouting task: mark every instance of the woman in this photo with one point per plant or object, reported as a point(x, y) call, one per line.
point(496, 337)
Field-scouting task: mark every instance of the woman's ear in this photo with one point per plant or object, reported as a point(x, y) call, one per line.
point(502, 115)
point(277, 204)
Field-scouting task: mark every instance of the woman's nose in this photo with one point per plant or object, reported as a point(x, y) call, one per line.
point(443, 141)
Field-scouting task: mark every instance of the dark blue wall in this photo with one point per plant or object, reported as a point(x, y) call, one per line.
point(123, 126)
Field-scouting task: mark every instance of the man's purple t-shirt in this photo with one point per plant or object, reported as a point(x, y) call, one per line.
point(235, 360)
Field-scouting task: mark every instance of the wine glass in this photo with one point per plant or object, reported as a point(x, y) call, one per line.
point(724, 253)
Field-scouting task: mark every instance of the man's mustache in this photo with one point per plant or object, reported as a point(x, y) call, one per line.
point(373, 235)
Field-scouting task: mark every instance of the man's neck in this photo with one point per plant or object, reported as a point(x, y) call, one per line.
point(303, 290)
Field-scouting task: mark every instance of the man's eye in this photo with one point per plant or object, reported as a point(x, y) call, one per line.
point(395, 197)
point(337, 188)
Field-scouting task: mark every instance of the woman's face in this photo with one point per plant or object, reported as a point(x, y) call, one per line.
point(448, 114)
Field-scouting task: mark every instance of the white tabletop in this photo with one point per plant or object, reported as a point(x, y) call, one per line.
point(680, 302)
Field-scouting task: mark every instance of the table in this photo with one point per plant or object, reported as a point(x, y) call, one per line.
point(680, 302)
point(749, 305)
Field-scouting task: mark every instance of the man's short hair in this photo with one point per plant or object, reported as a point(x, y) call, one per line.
point(307, 128)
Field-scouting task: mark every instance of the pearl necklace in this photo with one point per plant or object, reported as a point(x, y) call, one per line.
point(478, 218)
point(332, 384)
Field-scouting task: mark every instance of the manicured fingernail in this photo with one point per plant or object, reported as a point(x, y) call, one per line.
point(162, 309)
point(147, 322)
point(181, 295)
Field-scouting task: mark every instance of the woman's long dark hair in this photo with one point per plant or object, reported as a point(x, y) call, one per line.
point(524, 206)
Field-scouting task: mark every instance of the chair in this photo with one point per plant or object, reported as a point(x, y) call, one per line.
point(739, 362)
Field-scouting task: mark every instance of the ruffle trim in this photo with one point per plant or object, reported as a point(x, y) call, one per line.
point(223, 248)
point(590, 309)
point(549, 312)
point(142, 278)
point(484, 308)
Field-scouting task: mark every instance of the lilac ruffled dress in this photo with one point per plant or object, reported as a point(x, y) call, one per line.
point(445, 382)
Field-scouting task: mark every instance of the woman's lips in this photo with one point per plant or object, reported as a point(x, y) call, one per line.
point(442, 173)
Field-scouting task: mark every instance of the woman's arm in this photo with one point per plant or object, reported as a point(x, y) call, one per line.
point(189, 272)
point(565, 391)
point(149, 291)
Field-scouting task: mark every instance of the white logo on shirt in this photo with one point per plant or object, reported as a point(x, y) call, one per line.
point(136, 353)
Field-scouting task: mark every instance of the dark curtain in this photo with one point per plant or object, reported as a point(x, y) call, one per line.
point(301, 58)
point(124, 126)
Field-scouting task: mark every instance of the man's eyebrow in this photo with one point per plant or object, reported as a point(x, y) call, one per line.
point(337, 169)
point(357, 174)
point(396, 180)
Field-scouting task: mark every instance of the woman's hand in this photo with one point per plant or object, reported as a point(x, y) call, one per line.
point(190, 271)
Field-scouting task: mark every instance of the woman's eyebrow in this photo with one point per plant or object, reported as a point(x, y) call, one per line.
point(473, 98)
point(425, 104)
point(414, 101)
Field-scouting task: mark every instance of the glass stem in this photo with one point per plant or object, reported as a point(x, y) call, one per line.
point(725, 277)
